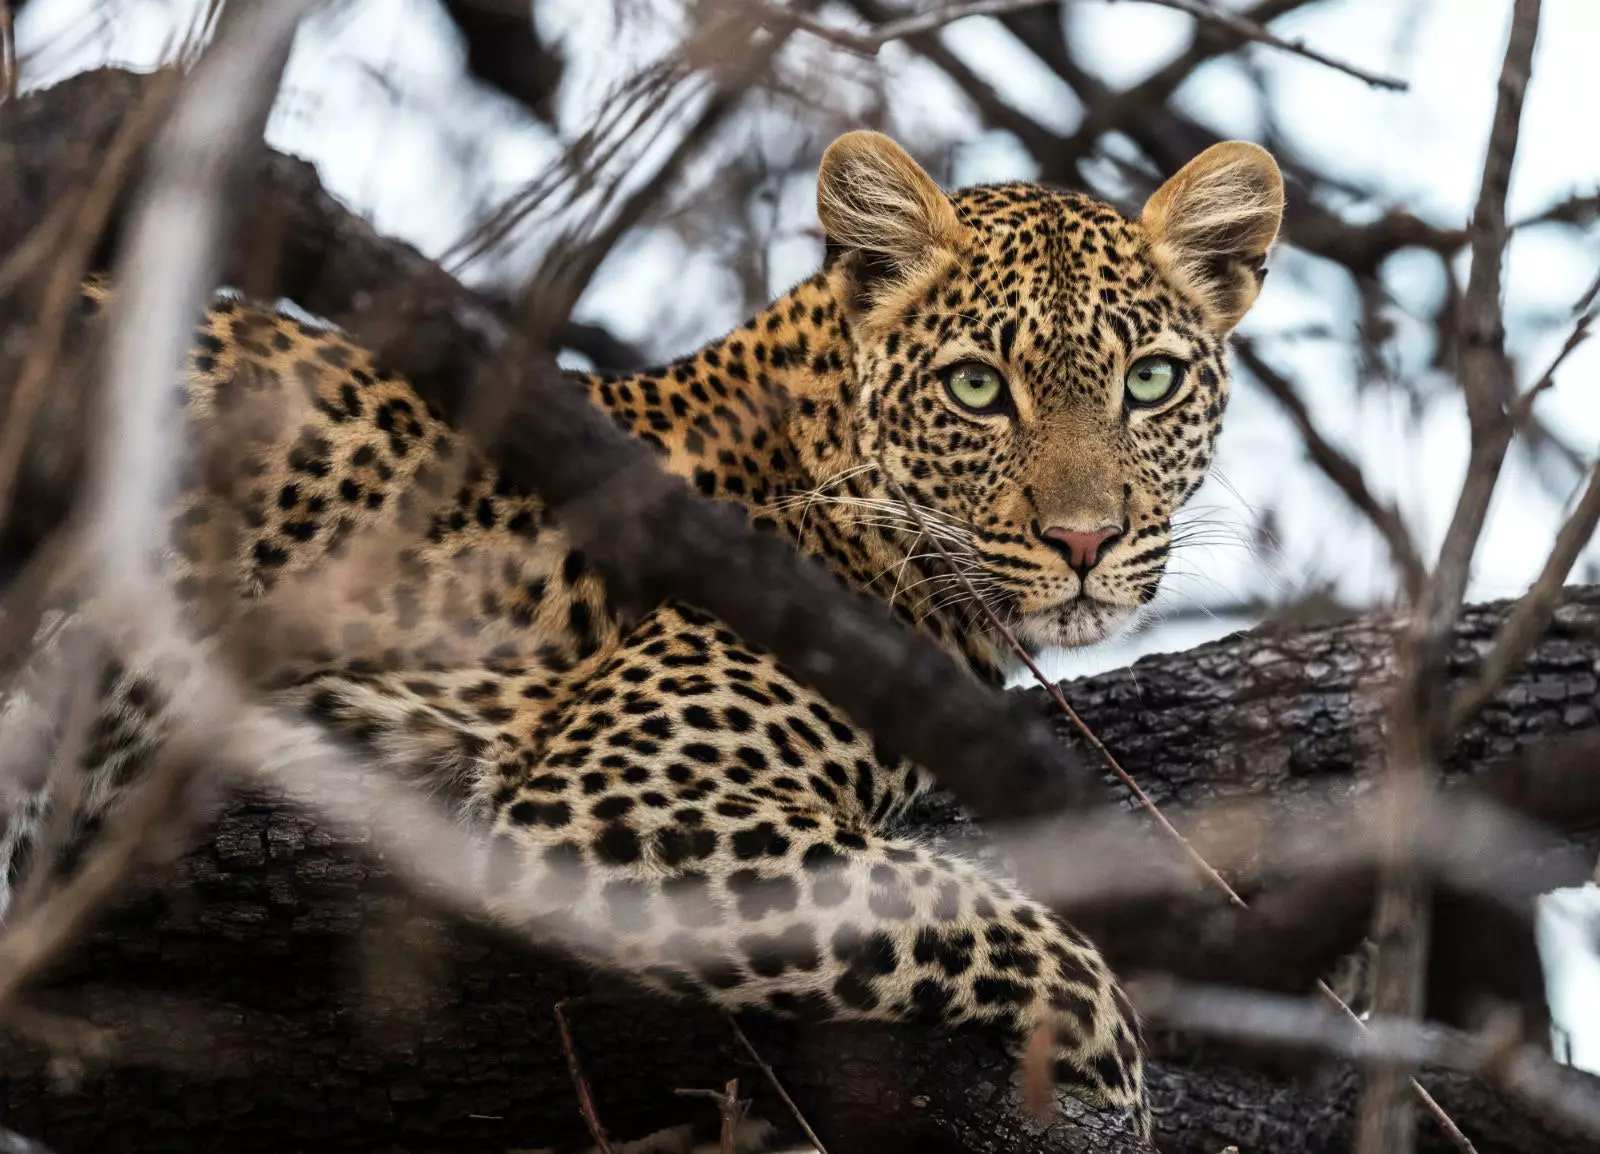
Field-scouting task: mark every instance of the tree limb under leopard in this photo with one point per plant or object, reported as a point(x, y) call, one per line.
point(282, 940)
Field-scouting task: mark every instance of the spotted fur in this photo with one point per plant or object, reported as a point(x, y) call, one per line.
point(651, 779)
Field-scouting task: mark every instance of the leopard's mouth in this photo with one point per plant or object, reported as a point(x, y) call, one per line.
point(1082, 620)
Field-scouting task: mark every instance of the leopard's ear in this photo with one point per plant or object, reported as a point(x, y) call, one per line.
point(1211, 226)
point(880, 209)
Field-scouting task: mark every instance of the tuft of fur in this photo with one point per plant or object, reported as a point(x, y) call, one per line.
point(1211, 226)
point(876, 202)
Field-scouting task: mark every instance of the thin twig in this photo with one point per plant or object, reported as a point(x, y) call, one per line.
point(1429, 1102)
point(777, 1086)
point(869, 44)
point(1345, 474)
point(1056, 695)
point(1255, 33)
point(1586, 310)
point(729, 1106)
point(1527, 622)
point(1037, 1076)
point(579, 1083)
point(10, 73)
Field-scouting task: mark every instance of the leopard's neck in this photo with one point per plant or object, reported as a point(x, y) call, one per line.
point(766, 418)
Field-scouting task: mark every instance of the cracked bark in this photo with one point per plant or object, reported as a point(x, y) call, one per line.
point(280, 993)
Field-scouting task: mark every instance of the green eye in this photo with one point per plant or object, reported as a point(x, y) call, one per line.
point(1153, 379)
point(975, 385)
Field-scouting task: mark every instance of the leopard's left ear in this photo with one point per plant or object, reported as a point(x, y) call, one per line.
point(1211, 226)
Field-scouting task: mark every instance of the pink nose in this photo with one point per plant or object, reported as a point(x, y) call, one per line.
point(1082, 550)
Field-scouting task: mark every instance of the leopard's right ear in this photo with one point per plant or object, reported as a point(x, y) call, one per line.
point(882, 210)
point(1211, 226)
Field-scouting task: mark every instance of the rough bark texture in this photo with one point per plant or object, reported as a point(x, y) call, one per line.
point(280, 993)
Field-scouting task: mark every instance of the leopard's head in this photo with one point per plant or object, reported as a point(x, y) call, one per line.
point(1042, 376)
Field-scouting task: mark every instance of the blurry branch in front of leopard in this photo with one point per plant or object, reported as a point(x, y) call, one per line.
point(200, 153)
point(725, 55)
point(1497, 1053)
point(1419, 713)
point(9, 71)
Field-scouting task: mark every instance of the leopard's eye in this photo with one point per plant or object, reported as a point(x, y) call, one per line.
point(1152, 380)
point(975, 386)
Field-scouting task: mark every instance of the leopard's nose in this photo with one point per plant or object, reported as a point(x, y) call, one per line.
point(1082, 550)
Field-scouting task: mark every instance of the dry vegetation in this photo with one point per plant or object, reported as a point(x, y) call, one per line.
point(1413, 778)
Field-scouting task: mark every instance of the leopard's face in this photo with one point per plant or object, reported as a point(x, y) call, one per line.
point(1046, 383)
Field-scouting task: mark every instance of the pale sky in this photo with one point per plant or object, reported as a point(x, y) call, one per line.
point(366, 87)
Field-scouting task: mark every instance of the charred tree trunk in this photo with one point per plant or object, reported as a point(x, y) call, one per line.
point(280, 990)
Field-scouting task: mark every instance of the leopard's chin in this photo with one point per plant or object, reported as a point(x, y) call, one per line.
point(1074, 624)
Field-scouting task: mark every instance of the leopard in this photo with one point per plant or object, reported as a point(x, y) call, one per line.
point(983, 410)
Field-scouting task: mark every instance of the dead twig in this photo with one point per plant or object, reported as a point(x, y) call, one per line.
point(729, 1105)
point(217, 118)
point(1386, 1123)
point(10, 73)
point(777, 1086)
point(580, 1084)
point(1251, 31)
point(1531, 617)
point(1345, 474)
point(1586, 310)
point(869, 44)
point(1037, 1077)
point(144, 821)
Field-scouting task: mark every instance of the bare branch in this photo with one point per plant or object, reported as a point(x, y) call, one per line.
point(1345, 474)
point(1531, 617)
point(61, 296)
point(9, 72)
point(868, 44)
point(1586, 310)
point(1299, 1024)
point(1486, 371)
point(217, 119)
point(1399, 928)
point(1249, 30)
point(580, 1084)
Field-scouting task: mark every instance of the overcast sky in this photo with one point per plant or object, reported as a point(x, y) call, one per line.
point(377, 99)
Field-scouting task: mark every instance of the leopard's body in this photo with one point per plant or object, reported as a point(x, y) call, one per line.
point(671, 791)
